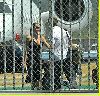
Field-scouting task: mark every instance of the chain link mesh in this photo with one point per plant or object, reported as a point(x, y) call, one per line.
point(24, 65)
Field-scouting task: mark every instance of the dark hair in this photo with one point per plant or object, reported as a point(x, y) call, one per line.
point(55, 21)
point(33, 25)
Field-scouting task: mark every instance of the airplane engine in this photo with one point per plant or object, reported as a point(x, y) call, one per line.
point(76, 13)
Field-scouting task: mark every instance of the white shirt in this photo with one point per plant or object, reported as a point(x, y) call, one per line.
point(57, 42)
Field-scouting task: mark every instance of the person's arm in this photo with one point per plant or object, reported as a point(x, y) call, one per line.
point(45, 41)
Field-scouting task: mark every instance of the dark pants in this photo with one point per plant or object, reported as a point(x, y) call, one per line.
point(57, 71)
point(46, 77)
point(70, 74)
point(35, 71)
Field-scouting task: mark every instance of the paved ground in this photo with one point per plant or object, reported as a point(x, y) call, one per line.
point(18, 77)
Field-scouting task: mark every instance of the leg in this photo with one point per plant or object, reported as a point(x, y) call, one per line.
point(71, 77)
point(28, 77)
point(57, 74)
point(35, 73)
point(46, 77)
point(66, 68)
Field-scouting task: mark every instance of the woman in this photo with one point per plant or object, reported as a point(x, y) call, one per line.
point(36, 54)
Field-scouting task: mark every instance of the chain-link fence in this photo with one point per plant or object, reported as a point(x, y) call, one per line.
point(49, 45)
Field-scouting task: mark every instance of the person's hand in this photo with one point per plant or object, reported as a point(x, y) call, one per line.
point(38, 32)
point(48, 45)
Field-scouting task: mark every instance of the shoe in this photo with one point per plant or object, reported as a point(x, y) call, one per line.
point(57, 90)
point(35, 85)
point(28, 79)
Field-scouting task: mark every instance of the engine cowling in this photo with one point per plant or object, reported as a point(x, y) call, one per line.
point(75, 14)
